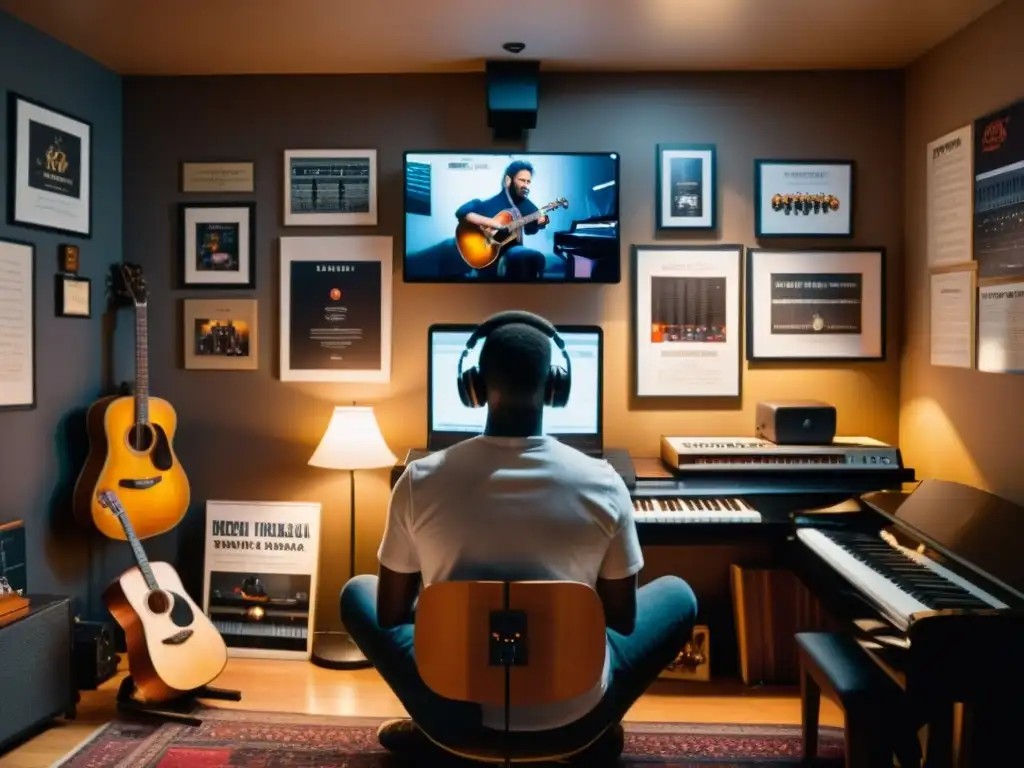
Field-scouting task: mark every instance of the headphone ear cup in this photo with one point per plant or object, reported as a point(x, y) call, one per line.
point(559, 386)
point(472, 391)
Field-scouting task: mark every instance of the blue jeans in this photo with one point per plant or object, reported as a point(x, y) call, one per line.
point(666, 611)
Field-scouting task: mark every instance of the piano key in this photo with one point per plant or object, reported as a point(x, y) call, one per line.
point(693, 510)
point(260, 630)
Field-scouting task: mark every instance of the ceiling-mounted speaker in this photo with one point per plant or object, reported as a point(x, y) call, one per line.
point(512, 97)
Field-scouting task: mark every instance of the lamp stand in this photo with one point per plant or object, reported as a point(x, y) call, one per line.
point(336, 650)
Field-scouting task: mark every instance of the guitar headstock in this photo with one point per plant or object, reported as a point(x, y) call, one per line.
point(559, 203)
point(110, 501)
point(129, 284)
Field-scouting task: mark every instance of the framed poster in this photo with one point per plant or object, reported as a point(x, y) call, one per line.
point(260, 576)
point(998, 202)
point(686, 189)
point(949, 190)
point(686, 320)
point(803, 198)
point(50, 168)
point(72, 296)
point(336, 309)
point(951, 331)
point(217, 245)
point(1001, 326)
point(330, 187)
point(221, 334)
point(820, 305)
point(17, 325)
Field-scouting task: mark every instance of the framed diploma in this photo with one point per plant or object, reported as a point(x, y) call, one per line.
point(336, 308)
point(686, 320)
point(73, 296)
point(17, 326)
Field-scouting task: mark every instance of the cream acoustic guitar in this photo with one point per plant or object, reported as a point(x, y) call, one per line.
point(173, 648)
point(131, 444)
point(480, 247)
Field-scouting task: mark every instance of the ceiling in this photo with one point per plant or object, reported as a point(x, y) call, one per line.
point(199, 37)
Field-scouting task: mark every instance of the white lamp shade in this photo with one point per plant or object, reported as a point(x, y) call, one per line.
point(353, 441)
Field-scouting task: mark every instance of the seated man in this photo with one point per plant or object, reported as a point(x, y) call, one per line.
point(513, 504)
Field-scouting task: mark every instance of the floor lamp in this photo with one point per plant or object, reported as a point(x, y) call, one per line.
point(352, 441)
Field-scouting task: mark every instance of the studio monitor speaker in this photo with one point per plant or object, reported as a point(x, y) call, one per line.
point(796, 422)
point(512, 97)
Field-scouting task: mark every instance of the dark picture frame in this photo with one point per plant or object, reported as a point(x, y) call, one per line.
point(60, 297)
point(825, 183)
point(70, 208)
point(708, 263)
point(704, 195)
point(30, 404)
point(811, 339)
point(217, 245)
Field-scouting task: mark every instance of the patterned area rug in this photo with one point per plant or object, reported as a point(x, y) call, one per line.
point(239, 739)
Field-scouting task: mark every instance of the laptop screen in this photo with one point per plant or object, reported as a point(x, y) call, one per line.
point(578, 424)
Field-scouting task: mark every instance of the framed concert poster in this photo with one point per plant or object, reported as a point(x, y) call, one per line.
point(50, 168)
point(260, 576)
point(816, 305)
point(330, 187)
point(686, 187)
point(221, 334)
point(686, 320)
point(17, 326)
point(217, 245)
point(336, 308)
point(803, 198)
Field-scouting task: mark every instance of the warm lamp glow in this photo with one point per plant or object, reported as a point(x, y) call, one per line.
point(353, 441)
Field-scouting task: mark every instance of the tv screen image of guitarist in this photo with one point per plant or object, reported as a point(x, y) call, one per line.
point(173, 648)
point(131, 443)
point(532, 217)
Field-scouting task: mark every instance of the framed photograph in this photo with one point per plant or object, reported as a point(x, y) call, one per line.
point(50, 168)
point(217, 245)
point(221, 334)
point(17, 326)
point(803, 198)
point(260, 576)
point(336, 308)
point(819, 305)
point(687, 187)
point(330, 187)
point(72, 296)
point(694, 659)
point(686, 320)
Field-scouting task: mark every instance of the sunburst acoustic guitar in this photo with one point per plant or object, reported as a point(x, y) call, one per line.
point(173, 648)
point(480, 247)
point(131, 445)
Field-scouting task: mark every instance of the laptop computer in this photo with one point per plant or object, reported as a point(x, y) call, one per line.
point(580, 424)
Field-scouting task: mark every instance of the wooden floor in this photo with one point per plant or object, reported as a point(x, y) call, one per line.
point(294, 686)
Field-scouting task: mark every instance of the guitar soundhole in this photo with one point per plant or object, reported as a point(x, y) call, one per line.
point(140, 437)
point(158, 602)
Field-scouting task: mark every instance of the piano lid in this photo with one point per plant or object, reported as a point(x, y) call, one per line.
point(977, 528)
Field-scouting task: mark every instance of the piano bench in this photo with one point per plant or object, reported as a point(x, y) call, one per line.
point(835, 664)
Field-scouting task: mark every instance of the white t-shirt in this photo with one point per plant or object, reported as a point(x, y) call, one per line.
point(514, 509)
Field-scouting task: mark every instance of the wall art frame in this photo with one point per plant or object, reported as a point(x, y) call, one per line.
point(18, 325)
point(816, 305)
point(72, 297)
point(804, 198)
point(330, 187)
point(686, 186)
point(217, 247)
point(220, 334)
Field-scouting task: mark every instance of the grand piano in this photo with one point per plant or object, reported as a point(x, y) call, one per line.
point(932, 582)
point(590, 247)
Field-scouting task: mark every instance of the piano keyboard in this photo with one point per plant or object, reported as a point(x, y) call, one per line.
point(249, 629)
point(900, 581)
point(693, 510)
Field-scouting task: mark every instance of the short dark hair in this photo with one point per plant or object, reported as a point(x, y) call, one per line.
point(515, 361)
point(517, 166)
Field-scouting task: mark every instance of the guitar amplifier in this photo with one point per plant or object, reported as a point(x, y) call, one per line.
point(95, 655)
point(35, 668)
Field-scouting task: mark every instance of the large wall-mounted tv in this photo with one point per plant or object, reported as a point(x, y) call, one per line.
point(559, 217)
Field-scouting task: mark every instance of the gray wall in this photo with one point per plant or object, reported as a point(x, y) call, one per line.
point(245, 435)
point(41, 450)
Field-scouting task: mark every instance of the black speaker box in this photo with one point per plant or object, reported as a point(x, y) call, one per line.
point(512, 97)
point(95, 655)
point(796, 422)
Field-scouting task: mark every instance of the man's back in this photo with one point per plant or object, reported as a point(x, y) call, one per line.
point(513, 509)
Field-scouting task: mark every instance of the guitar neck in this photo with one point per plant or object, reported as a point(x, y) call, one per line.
point(141, 365)
point(140, 554)
point(529, 218)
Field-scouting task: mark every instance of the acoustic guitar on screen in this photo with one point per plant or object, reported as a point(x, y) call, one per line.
point(480, 247)
point(173, 648)
point(131, 444)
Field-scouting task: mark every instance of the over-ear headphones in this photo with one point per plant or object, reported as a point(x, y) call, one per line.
point(473, 392)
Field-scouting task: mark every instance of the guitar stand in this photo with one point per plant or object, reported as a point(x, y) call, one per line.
point(181, 710)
